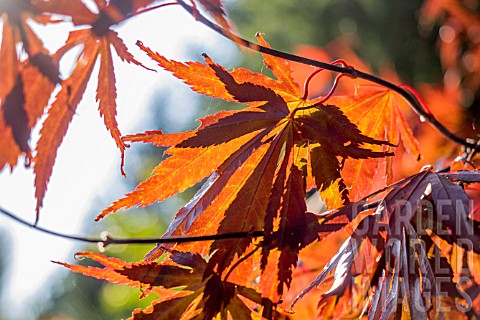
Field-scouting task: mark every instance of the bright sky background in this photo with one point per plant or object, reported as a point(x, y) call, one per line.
point(87, 171)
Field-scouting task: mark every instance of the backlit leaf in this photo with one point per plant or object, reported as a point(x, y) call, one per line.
point(401, 259)
point(194, 295)
point(249, 186)
point(377, 112)
point(59, 117)
point(97, 41)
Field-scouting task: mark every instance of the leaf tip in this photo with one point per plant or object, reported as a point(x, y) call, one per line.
point(37, 211)
point(28, 159)
point(208, 60)
point(122, 164)
point(105, 212)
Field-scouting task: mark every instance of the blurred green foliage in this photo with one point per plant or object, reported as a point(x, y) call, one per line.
point(380, 31)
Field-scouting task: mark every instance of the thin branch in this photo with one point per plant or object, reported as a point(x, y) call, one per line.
point(106, 240)
point(148, 9)
point(350, 71)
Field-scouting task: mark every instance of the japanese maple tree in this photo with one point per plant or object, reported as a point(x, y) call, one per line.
point(389, 242)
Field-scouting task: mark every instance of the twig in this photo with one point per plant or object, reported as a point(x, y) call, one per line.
point(106, 240)
point(148, 9)
point(350, 71)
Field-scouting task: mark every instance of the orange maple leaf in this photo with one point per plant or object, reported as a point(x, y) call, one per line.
point(97, 41)
point(239, 152)
point(378, 113)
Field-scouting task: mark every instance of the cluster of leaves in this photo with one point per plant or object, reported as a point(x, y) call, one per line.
point(262, 160)
point(396, 250)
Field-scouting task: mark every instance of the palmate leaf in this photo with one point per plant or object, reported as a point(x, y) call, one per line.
point(427, 211)
point(261, 118)
point(184, 292)
point(97, 41)
point(250, 157)
point(378, 113)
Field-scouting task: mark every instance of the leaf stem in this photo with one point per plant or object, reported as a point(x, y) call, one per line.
point(350, 71)
point(323, 99)
point(317, 71)
point(107, 240)
point(332, 90)
point(307, 83)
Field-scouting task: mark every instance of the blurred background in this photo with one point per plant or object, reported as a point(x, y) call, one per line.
point(422, 43)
